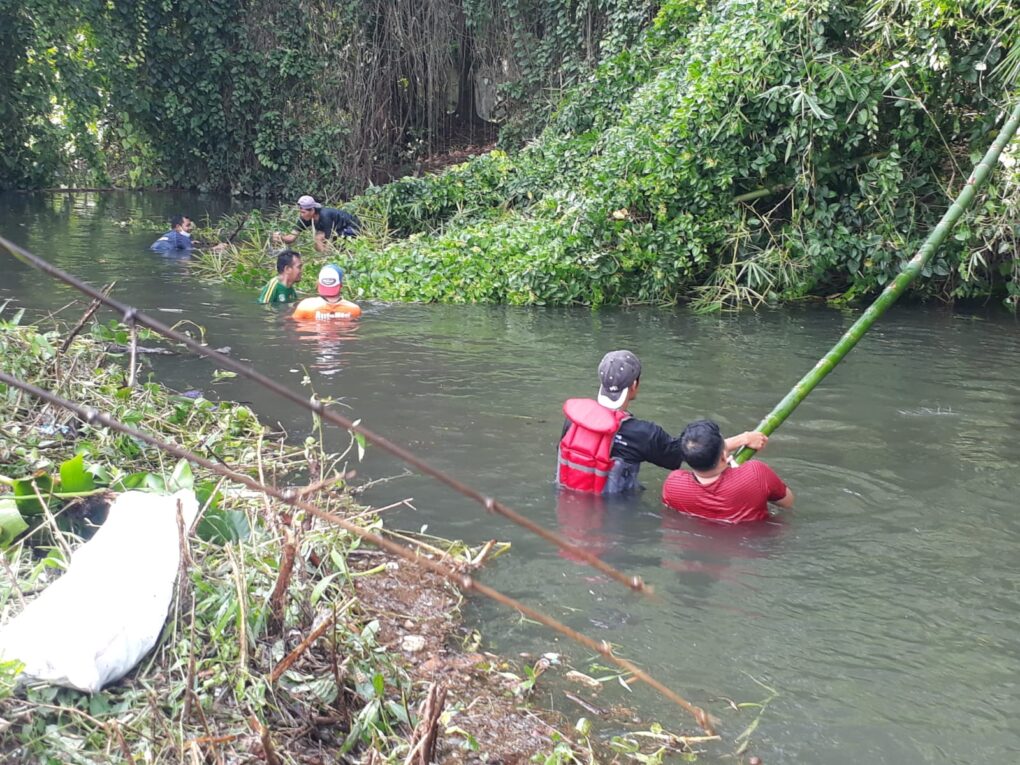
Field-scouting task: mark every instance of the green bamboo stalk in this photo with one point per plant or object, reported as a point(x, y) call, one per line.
point(894, 289)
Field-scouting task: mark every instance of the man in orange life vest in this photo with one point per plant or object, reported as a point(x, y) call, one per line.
point(603, 445)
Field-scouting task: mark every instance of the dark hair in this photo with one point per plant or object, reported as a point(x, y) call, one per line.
point(176, 221)
point(285, 258)
point(702, 444)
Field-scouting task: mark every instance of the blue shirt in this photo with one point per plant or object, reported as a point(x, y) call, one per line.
point(172, 240)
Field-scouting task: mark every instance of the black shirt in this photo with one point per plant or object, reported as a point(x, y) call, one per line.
point(643, 441)
point(332, 222)
point(640, 441)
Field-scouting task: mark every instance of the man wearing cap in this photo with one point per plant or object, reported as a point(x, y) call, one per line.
point(603, 445)
point(280, 289)
point(328, 305)
point(327, 222)
point(716, 489)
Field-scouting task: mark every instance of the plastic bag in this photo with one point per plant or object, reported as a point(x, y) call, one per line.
point(95, 623)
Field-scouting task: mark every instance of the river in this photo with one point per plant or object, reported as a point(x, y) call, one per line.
point(883, 610)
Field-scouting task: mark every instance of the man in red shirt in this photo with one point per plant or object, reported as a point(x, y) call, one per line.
point(716, 490)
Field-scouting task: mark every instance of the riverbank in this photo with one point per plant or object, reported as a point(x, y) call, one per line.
point(288, 641)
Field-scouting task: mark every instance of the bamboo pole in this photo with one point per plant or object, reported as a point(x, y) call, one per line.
point(894, 289)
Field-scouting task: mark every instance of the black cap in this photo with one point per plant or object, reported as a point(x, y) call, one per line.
point(618, 370)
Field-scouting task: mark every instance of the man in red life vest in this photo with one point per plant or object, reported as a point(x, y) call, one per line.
point(715, 489)
point(603, 445)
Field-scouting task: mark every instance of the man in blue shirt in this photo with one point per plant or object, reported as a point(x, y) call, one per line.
point(177, 238)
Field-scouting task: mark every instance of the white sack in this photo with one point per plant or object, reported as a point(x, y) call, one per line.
point(93, 624)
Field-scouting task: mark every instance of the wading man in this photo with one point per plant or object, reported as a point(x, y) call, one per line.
point(177, 238)
point(280, 289)
point(329, 304)
point(717, 490)
point(603, 445)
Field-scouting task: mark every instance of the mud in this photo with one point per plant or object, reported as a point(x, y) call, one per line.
point(410, 604)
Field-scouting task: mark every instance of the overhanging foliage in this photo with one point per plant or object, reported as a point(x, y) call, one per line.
point(744, 151)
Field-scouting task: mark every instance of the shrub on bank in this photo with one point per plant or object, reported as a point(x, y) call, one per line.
point(742, 152)
point(862, 153)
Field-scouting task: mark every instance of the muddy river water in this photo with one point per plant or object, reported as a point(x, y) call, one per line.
point(884, 610)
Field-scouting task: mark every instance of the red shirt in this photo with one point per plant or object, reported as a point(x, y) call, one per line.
point(739, 494)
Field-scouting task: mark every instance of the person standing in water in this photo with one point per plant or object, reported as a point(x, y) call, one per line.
point(717, 490)
point(602, 445)
point(177, 238)
point(280, 289)
point(329, 304)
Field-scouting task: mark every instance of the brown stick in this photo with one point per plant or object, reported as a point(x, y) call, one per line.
point(125, 750)
point(244, 219)
point(272, 758)
point(213, 739)
point(423, 740)
point(320, 485)
point(89, 313)
point(589, 708)
point(290, 658)
point(278, 598)
point(480, 558)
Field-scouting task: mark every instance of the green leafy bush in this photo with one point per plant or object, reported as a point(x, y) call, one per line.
point(741, 152)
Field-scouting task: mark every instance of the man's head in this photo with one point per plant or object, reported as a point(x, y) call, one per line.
point(288, 267)
point(308, 207)
point(703, 445)
point(331, 281)
point(181, 223)
point(619, 372)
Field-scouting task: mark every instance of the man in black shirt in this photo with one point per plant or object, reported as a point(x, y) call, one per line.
point(589, 422)
point(327, 222)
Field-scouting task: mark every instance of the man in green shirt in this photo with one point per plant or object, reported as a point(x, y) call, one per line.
point(280, 288)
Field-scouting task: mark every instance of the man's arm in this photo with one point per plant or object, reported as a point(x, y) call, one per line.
point(279, 238)
point(779, 493)
point(787, 501)
point(300, 226)
point(751, 438)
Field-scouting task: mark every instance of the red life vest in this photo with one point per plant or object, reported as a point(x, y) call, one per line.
point(584, 462)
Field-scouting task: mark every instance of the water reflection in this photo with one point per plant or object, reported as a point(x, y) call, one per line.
point(325, 341)
point(593, 522)
point(698, 550)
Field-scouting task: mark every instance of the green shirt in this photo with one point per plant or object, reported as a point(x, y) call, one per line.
point(275, 292)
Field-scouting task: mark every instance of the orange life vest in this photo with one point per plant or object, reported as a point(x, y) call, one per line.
point(584, 461)
point(318, 308)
